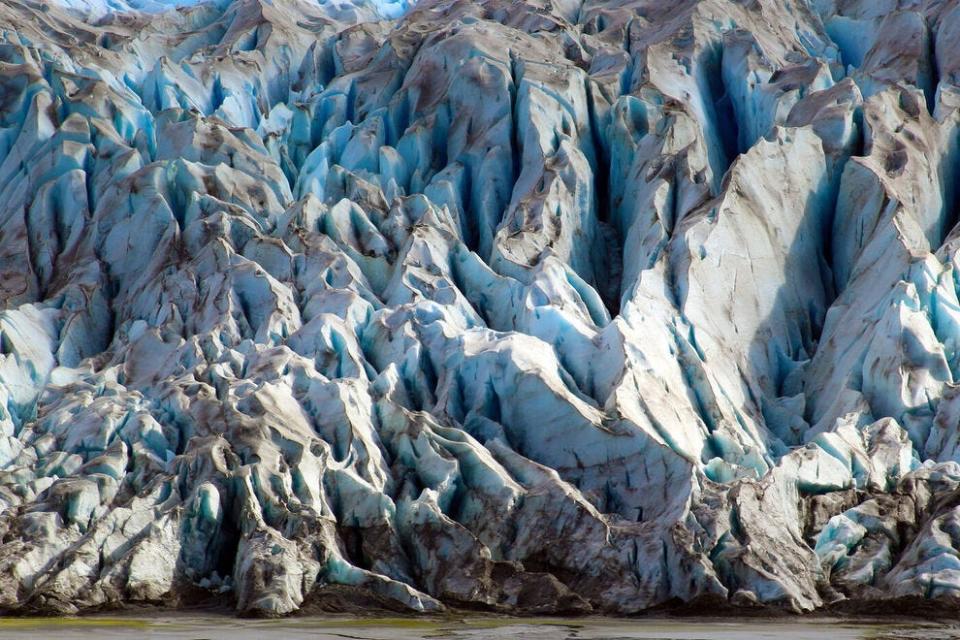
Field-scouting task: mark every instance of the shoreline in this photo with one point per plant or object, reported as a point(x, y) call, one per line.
point(865, 612)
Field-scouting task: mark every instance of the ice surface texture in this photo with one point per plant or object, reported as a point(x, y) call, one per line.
point(542, 306)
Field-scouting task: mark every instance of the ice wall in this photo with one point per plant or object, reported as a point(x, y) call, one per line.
point(522, 306)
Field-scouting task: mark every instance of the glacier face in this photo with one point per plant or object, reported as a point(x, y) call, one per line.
point(579, 305)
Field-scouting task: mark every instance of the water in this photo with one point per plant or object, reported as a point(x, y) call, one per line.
point(182, 627)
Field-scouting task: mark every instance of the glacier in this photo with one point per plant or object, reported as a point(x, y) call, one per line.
point(528, 306)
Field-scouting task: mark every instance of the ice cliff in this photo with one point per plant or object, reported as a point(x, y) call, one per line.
point(538, 306)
